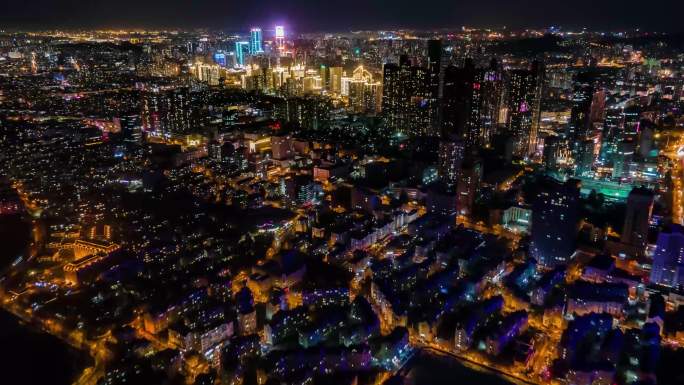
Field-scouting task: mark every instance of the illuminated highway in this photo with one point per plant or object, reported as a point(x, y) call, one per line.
point(474, 364)
point(675, 152)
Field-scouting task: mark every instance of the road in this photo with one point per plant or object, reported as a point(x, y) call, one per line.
point(675, 143)
point(469, 363)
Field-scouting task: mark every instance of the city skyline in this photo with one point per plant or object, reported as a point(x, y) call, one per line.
point(248, 203)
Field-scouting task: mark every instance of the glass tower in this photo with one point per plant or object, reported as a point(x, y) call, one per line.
point(255, 41)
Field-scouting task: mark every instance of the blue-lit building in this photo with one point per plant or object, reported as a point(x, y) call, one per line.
point(241, 48)
point(220, 59)
point(554, 222)
point(255, 41)
point(668, 259)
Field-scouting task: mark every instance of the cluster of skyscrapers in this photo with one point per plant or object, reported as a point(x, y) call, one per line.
point(214, 208)
point(255, 44)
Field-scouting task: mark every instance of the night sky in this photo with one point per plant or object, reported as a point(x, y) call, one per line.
point(331, 15)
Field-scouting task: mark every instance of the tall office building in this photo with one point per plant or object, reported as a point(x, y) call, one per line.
point(364, 93)
point(639, 210)
point(468, 186)
point(668, 259)
point(255, 41)
point(613, 125)
point(554, 222)
point(458, 100)
point(372, 97)
point(524, 107)
point(324, 75)
point(598, 107)
point(309, 112)
point(471, 103)
point(553, 146)
point(423, 111)
point(584, 158)
point(434, 76)
point(241, 50)
point(646, 140)
point(622, 159)
point(405, 98)
point(394, 102)
point(580, 113)
point(335, 79)
point(208, 73)
point(632, 120)
point(220, 59)
point(167, 113)
point(280, 36)
point(491, 85)
point(434, 49)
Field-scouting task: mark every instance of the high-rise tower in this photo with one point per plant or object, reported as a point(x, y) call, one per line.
point(241, 49)
point(280, 36)
point(434, 79)
point(405, 98)
point(255, 39)
point(554, 222)
point(639, 209)
point(524, 107)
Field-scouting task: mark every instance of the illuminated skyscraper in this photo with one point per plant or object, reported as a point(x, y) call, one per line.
point(598, 107)
point(209, 73)
point(255, 46)
point(471, 103)
point(324, 74)
point(335, 76)
point(241, 48)
point(491, 99)
point(364, 94)
point(584, 156)
point(220, 59)
point(524, 107)
point(553, 146)
point(580, 114)
point(405, 98)
point(632, 119)
point(394, 100)
point(434, 75)
point(468, 186)
point(646, 139)
point(613, 126)
point(166, 113)
point(554, 222)
point(622, 159)
point(280, 36)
